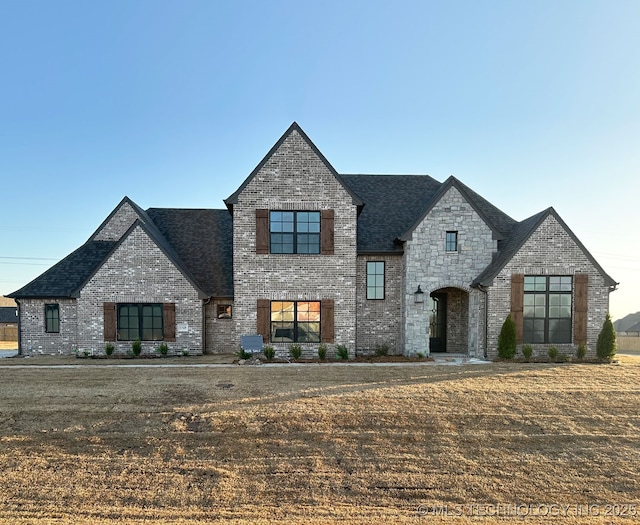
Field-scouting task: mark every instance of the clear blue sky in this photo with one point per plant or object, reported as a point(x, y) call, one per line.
point(531, 104)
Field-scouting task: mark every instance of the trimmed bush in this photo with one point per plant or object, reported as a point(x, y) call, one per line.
point(582, 351)
point(553, 353)
point(243, 355)
point(342, 352)
point(136, 347)
point(527, 351)
point(269, 352)
point(295, 350)
point(163, 349)
point(108, 349)
point(382, 350)
point(606, 345)
point(507, 339)
point(322, 351)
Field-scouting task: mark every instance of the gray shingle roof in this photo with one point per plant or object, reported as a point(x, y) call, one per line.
point(203, 240)
point(66, 277)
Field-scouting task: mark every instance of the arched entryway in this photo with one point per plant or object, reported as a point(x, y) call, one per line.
point(449, 321)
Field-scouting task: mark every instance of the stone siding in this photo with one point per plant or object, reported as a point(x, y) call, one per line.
point(295, 178)
point(379, 321)
point(428, 264)
point(549, 251)
point(117, 224)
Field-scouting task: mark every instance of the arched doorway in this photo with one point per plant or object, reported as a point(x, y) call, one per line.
point(449, 321)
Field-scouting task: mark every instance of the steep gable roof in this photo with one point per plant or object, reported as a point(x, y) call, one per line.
point(519, 235)
point(233, 198)
point(499, 222)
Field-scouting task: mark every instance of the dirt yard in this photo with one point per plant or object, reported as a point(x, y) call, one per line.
point(321, 444)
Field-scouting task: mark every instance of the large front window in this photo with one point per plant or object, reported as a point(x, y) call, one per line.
point(547, 309)
point(294, 231)
point(295, 322)
point(140, 321)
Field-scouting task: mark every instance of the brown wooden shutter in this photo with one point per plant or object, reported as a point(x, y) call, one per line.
point(326, 232)
point(327, 321)
point(517, 300)
point(109, 310)
point(581, 298)
point(264, 319)
point(262, 231)
point(169, 320)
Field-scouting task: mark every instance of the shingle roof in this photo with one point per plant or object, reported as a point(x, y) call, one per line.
point(634, 328)
point(203, 240)
point(8, 314)
point(64, 278)
point(392, 203)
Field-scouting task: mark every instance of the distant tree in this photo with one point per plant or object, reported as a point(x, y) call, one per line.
point(606, 345)
point(507, 339)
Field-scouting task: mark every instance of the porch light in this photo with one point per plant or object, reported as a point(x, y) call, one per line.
point(419, 295)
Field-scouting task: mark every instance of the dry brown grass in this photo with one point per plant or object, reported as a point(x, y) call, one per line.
point(318, 443)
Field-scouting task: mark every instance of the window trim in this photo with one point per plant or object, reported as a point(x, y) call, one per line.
point(528, 335)
point(140, 328)
point(376, 286)
point(54, 328)
point(296, 235)
point(448, 243)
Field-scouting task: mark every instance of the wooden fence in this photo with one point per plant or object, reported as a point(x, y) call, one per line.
point(8, 332)
point(628, 342)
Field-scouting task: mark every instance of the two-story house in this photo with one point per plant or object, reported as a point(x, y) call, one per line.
point(303, 254)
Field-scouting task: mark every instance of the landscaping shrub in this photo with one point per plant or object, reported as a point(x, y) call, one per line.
point(582, 351)
point(527, 351)
point(242, 354)
point(342, 352)
point(382, 350)
point(606, 345)
point(108, 349)
point(507, 339)
point(269, 352)
point(295, 350)
point(163, 349)
point(322, 351)
point(553, 353)
point(136, 347)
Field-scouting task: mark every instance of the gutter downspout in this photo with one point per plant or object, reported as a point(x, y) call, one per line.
point(19, 328)
point(205, 302)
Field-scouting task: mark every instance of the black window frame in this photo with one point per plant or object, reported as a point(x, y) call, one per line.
point(52, 318)
point(298, 229)
point(451, 241)
point(124, 333)
point(374, 287)
point(225, 311)
point(293, 328)
point(547, 313)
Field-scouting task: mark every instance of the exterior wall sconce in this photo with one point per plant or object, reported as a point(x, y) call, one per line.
point(419, 295)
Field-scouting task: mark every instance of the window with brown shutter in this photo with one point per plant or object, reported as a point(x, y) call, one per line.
point(327, 326)
point(326, 232)
point(263, 321)
point(581, 306)
point(517, 298)
point(169, 321)
point(262, 231)
point(109, 321)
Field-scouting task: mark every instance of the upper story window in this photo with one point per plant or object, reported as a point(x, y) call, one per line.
point(375, 280)
point(294, 231)
point(140, 321)
point(451, 241)
point(52, 318)
point(547, 309)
